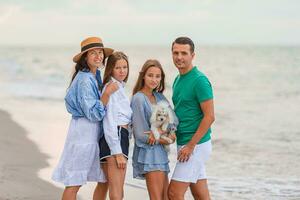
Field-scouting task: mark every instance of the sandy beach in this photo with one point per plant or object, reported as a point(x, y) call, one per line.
point(19, 163)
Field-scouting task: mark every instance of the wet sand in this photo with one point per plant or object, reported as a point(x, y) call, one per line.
point(20, 161)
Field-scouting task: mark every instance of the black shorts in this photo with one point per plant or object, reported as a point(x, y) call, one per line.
point(104, 148)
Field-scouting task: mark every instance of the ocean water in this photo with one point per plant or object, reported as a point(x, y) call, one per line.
point(256, 135)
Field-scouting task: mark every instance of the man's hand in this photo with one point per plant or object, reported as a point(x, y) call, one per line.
point(185, 153)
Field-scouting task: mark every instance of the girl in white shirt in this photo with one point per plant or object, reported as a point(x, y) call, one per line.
point(115, 143)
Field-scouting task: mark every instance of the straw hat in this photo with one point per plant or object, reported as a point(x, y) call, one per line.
point(92, 43)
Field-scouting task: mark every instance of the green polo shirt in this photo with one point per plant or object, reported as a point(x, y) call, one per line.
point(189, 90)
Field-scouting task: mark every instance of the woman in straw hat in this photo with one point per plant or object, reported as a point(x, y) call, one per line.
point(79, 161)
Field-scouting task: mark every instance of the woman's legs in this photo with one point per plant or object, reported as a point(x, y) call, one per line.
point(166, 185)
point(70, 193)
point(100, 191)
point(156, 181)
point(115, 177)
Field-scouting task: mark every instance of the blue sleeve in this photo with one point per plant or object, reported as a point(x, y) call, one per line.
point(92, 107)
point(139, 121)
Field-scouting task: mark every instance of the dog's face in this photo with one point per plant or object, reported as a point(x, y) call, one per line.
point(162, 114)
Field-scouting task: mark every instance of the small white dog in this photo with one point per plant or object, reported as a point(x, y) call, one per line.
point(161, 117)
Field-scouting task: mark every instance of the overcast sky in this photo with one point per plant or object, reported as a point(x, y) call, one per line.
point(150, 22)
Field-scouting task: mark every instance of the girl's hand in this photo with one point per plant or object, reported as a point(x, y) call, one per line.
point(163, 141)
point(161, 131)
point(173, 137)
point(121, 161)
point(151, 139)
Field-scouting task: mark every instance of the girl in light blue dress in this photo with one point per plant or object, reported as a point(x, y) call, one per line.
point(150, 159)
point(79, 161)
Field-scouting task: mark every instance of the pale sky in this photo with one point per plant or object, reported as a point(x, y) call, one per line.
point(38, 22)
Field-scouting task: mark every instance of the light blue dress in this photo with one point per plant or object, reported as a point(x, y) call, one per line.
point(146, 158)
point(79, 161)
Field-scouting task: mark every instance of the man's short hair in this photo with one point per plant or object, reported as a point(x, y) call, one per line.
point(185, 40)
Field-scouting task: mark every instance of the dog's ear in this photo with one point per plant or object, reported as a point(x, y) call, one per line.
point(153, 115)
point(171, 117)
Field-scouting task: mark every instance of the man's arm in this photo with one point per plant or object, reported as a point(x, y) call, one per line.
point(207, 108)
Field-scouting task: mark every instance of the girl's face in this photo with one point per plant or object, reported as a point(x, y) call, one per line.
point(95, 58)
point(152, 78)
point(120, 70)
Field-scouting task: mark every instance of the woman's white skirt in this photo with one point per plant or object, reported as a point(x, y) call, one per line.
point(80, 161)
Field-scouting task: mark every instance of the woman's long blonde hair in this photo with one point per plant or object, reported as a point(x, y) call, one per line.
point(140, 81)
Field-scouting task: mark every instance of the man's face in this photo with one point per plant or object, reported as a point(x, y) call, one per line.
point(182, 56)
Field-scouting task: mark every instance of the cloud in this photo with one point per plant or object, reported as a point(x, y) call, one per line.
point(141, 21)
point(7, 11)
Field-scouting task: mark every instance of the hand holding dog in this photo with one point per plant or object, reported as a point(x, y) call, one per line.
point(163, 141)
point(161, 132)
point(151, 138)
point(173, 137)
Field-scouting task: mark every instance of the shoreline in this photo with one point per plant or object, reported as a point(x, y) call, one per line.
point(20, 162)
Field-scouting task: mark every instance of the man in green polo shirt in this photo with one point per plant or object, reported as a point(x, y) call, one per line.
point(194, 107)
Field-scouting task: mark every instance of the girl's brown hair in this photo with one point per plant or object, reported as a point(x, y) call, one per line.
point(110, 64)
point(140, 81)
